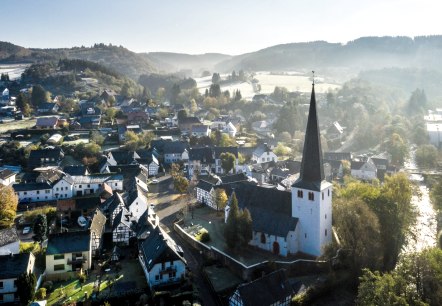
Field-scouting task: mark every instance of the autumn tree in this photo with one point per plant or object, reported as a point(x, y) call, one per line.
point(8, 206)
point(220, 198)
point(397, 147)
point(181, 183)
point(227, 161)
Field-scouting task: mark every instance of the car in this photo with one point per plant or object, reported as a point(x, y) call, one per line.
point(155, 181)
point(26, 230)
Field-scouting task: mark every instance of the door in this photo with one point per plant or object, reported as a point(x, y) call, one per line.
point(276, 248)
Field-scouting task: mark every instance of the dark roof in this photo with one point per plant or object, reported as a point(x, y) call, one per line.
point(46, 121)
point(157, 248)
point(174, 147)
point(46, 153)
point(356, 165)
point(75, 170)
point(234, 178)
point(123, 157)
point(312, 168)
point(31, 186)
point(7, 236)
point(13, 266)
point(267, 290)
point(189, 120)
point(206, 186)
point(265, 206)
point(4, 174)
point(122, 218)
point(218, 150)
point(69, 242)
point(87, 202)
point(202, 154)
point(46, 106)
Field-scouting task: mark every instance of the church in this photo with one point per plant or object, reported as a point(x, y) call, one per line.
point(298, 221)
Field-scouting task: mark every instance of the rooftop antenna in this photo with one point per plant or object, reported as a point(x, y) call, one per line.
point(313, 77)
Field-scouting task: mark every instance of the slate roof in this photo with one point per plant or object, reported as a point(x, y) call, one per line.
point(124, 157)
point(159, 248)
point(46, 121)
point(312, 168)
point(200, 128)
point(75, 170)
point(337, 156)
point(8, 236)
point(96, 178)
point(87, 202)
point(206, 186)
point(98, 222)
point(46, 153)
point(171, 147)
point(13, 266)
point(260, 149)
point(234, 178)
point(4, 174)
point(31, 186)
point(356, 165)
point(204, 155)
point(267, 290)
point(266, 205)
point(189, 120)
point(69, 242)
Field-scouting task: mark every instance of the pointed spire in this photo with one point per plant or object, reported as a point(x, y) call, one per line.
point(312, 169)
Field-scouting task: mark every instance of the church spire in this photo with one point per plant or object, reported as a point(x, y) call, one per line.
point(312, 169)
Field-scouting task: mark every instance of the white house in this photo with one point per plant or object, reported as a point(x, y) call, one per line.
point(63, 188)
point(89, 184)
point(11, 266)
point(365, 171)
point(68, 252)
point(9, 241)
point(136, 203)
point(33, 192)
point(263, 154)
point(230, 129)
point(7, 177)
point(122, 229)
point(200, 130)
point(161, 259)
point(175, 151)
point(205, 193)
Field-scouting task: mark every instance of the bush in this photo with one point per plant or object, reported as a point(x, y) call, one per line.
point(41, 294)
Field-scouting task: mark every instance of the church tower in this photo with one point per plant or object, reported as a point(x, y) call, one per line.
point(311, 193)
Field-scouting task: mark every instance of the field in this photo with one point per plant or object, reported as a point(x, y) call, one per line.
point(14, 70)
point(17, 125)
point(268, 82)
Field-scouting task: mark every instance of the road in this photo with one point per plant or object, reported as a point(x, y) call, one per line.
point(167, 204)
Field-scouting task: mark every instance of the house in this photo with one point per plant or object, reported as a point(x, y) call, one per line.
point(263, 153)
point(149, 159)
point(7, 177)
point(47, 123)
point(338, 156)
point(271, 289)
point(11, 267)
point(230, 129)
point(96, 228)
point(175, 151)
point(200, 130)
point(136, 115)
point(205, 193)
point(90, 115)
point(217, 151)
point(136, 203)
point(364, 170)
point(262, 127)
point(48, 108)
point(185, 124)
point(45, 157)
point(122, 230)
point(89, 184)
point(33, 192)
point(9, 241)
point(68, 252)
point(201, 160)
point(76, 170)
point(161, 259)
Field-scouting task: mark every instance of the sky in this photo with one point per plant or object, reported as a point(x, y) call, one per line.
point(202, 26)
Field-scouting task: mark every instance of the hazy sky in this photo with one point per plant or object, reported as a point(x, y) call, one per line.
point(200, 26)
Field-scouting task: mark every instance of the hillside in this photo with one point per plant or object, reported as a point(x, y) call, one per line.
point(360, 54)
point(116, 58)
point(173, 62)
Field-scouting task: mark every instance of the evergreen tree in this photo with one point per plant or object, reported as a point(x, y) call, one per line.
point(39, 95)
point(231, 229)
point(26, 287)
point(40, 228)
point(245, 230)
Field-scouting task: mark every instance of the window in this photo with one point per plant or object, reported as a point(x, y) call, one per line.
point(163, 265)
point(170, 274)
point(328, 192)
point(116, 184)
point(325, 232)
point(1, 297)
point(311, 196)
point(157, 277)
point(263, 238)
point(58, 267)
point(15, 283)
point(47, 191)
point(56, 189)
point(38, 191)
point(325, 216)
point(305, 235)
point(79, 186)
point(88, 186)
point(323, 195)
point(1, 285)
point(300, 194)
point(66, 188)
point(25, 193)
point(58, 256)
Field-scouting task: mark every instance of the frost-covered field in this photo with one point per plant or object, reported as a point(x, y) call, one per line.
point(14, 70)
point(268, 82)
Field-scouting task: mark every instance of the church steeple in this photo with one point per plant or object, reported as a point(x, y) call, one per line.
point(312, 169)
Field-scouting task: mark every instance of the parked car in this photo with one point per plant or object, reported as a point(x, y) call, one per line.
point(26, 230)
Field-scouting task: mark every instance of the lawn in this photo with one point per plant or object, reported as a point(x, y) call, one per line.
point(17, 125)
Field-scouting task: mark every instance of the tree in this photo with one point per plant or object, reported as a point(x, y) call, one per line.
point(26, 287)
point(220, 198)
point(245, 229)
point(39, 95)
point(358, 230)
point(8, 206)
point(417, 102)
point(231, 228)
point(227, 161)
point(216, 78)
point(174, 93)
point(397, 147)
point(436, 195)
point(40, 228)
point(193, 106)
point(214, 90)
point(182, 114)
point(426, 156)
point(22, 103)
point(181, 183)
